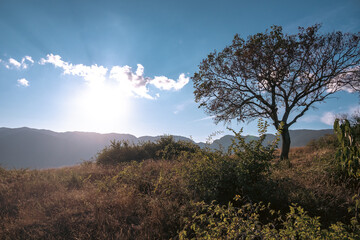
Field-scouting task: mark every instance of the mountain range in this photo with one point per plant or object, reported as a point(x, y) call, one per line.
point(35, 148)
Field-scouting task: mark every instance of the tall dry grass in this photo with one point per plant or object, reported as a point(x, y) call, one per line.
point(151, 199)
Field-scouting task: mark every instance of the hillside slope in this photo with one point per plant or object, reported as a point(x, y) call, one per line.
point(153, 200)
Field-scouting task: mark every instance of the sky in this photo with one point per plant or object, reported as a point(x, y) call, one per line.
point(125, 66)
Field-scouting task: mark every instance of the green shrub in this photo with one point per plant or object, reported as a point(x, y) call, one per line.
point(217, 176)
point(214, 221)
point(348, 153)
point(169, 149)
point(123, 151)
point(212, 176)
point(165, 148)
point(253, 157)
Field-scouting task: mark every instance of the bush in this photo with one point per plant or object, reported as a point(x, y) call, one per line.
point(212, 176)
point(169, 149)
point(214, 221)
point(165, 148)
point(254, 157)
point(123, 151)
point(216, 176)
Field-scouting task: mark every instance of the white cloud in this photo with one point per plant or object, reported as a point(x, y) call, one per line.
point(205, 118)
point(23, 82)
point(136, 83)
point(133, 83)
point(54, 59)
point(28, 58)
point(328, 118)
point(333, 87)
point(340, 81)
point(23, 64)
point(165, 83)
point(14, 63)
point(354, 110)
point(92, 74)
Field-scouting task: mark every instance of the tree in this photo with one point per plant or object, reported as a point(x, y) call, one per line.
point(276, 76)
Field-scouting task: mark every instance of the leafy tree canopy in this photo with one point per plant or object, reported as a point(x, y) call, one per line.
point(277, 76)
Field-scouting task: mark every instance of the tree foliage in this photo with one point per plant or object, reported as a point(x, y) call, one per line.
point(276, 75)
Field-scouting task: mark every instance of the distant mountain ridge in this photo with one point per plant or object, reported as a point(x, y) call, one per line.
point(35, 148)
point(299, 138)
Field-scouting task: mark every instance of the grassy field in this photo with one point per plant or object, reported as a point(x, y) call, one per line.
point(156, 198)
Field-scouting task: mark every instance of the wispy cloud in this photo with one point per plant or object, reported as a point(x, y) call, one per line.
point(28, 58)
point(165, 83)
point(92, 74)
point(23, 64)
point(23, 82)
point(182, 106)
point(134, 82)
point(179, 108)
point(340, 82)
point(355, 109)
point(205, 118)
point(138, 83)
point(131, 82)
point(309, 118)
point(14, 63)
point(328, 118)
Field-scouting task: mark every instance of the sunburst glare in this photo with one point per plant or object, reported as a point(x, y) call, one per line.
point(100, 107)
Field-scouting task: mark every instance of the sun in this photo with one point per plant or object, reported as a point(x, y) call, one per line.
point(103, 108)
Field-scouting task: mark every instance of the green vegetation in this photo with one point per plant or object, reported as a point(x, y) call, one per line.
point(165, 148)
point(214, 221)
point(172, 190)
point(348, 152)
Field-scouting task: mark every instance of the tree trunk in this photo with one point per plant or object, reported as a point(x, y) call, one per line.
point(285, 136)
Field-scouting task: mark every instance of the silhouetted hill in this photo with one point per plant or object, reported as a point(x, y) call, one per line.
point(299, 138)
point(34, 148)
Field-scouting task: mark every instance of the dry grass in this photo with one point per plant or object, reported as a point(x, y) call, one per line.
point(311, 181)
point(148, 200)
point(91, 202)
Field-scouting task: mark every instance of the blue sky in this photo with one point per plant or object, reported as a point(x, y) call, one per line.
point(63, 63)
